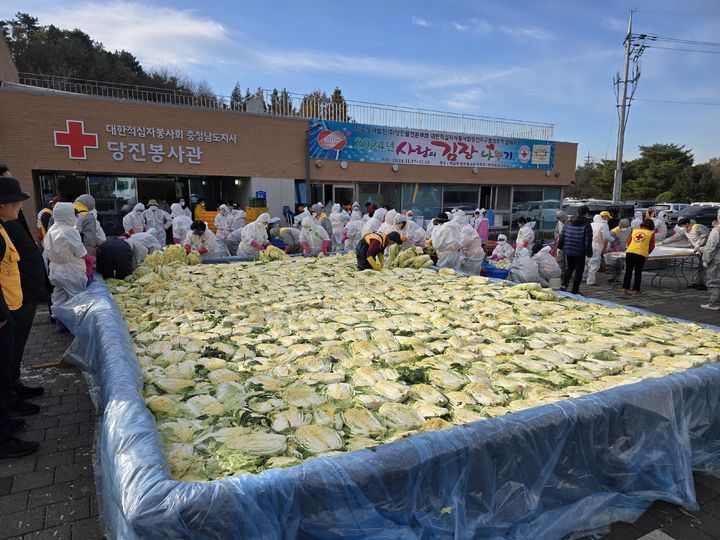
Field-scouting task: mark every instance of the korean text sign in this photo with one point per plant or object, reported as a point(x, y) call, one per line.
point(378, 144)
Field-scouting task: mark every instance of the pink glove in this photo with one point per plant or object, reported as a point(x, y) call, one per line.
point(345, 236)
point(187, 247)
point(325, 247)
point(257, 246)
point(89, 263)
point(202, 250)
point(305, 247)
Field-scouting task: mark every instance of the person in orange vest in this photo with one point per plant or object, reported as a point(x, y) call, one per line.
point(370, 249)
point(640, 245)
point(43, 218)
point(11, 300)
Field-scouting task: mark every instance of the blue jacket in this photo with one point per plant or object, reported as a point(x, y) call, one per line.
point(576, 238)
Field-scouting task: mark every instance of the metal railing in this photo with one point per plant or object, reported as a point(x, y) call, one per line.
point(313, 105)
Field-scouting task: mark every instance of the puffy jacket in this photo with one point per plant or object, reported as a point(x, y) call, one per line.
point(576, 238)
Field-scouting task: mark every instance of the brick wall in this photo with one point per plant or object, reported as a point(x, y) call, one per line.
point(266, 146)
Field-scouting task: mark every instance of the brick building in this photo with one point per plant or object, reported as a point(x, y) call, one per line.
point(123, 144)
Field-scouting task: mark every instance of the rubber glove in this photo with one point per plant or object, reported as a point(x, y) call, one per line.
point(376, 265)
point(381, 259)
point(257, 246)
point(89, 263)
point(306, 248)
point(267, 244)
point(325, 247)
point(187, 247)
point(202, 250)
point(131, 231)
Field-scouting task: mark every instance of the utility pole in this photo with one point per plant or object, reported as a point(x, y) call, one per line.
point(617, 185)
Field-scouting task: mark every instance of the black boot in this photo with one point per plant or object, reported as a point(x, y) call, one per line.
point(12, 447)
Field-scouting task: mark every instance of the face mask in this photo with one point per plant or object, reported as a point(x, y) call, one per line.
point(182, 203)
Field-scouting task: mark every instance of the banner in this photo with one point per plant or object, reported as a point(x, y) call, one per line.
point(377, 144)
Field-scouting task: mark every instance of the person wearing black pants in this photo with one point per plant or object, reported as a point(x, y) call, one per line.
point(114, 259)
point(576, 244)
point(634, 264)
point(639, 246)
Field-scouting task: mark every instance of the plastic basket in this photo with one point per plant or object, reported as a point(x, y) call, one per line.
point(488, 270)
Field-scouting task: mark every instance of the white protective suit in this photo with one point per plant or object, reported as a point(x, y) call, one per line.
point(64, 251)
point(159, 220)
point(87, 223)
point(142, 244)
point(388, 224)
point(637, 220)
point(525, 236)
point(313, 238)
point(208, 241)
point(548, 268)
point(373, 224)
point(180, 222)
point(254, 237)
point(524, 269)
point(291, 238)
point(239, 219)
point(338, 219)
point(223, 222)
point(446, 241)
point(100, 233)
point(133, 221)
point(503, 250)
point(185, 208)
point(601, 236)
point(353, 230)
point(473, 253)
point(660, 226)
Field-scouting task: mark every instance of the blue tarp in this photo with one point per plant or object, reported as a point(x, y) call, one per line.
point(540, 474)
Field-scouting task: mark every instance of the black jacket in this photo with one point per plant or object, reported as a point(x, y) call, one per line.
point(33, 278)
point(576, 238)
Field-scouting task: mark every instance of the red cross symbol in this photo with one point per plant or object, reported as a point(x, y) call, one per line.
point(75, 139)
point(524, 154)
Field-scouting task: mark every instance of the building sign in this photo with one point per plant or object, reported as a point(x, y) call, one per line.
point(377, 144)
point(130, 143)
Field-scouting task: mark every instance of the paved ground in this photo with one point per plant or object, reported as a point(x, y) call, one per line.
point(51, 494)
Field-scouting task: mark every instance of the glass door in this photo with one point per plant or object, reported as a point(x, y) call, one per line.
point(343, 194)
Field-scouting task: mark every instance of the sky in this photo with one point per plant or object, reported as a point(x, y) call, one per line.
point(541, 61)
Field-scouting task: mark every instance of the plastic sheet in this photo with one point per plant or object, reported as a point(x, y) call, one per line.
point(542, 473)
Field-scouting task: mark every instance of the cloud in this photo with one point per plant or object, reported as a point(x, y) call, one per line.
point(473, 25)
point(527, 34)
point(614, 25)
point(466, 100)
point(420, 21)
point(159, 36)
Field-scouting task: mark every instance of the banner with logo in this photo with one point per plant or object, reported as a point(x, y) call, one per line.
point(377, 144)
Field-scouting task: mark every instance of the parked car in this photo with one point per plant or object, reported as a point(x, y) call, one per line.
point(618, 211)
point(705, 215)
point(643, 204)
point(535, 210)
point(705, 204)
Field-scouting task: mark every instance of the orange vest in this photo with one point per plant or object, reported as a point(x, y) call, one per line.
point(10, 274)
point(640, 242)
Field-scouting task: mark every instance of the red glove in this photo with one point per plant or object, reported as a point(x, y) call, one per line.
point(305, 247)
point(89, 263)
point(325, 247)
point(202, 251)
point(187, 247)
point(131, 232)
point(286, 250)
point(257, 246)
point(267, 244)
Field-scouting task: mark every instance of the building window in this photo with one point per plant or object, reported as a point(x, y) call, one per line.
point(381, 194)
point(114, 197)
point(425, 200)
point(551, 205)
point(463, 197)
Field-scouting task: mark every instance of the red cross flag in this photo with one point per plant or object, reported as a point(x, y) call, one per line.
point(75, 139)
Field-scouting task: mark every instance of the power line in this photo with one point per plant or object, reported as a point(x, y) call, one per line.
point(653, 37)
point(688, 13)
point(706, 103)
point(681, 50)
